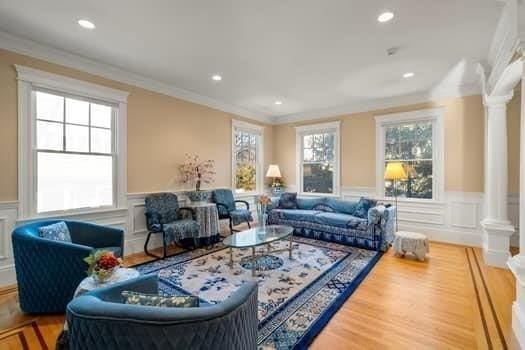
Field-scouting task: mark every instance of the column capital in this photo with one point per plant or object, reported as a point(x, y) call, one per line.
point(497, 101)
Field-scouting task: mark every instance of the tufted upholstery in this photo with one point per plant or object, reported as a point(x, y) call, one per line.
point(47, 271)
point(227, 208)
point(98, 320)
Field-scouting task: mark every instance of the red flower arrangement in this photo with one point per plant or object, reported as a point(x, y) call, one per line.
point(102, 264)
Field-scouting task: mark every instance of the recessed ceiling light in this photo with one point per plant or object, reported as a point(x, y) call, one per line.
point(408, 75)
point(278, 103)
point(385, 17)
point(216, 77)
point(84, 23)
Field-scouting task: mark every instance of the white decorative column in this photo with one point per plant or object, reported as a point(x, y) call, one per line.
point(517, 263)
point(496, 225)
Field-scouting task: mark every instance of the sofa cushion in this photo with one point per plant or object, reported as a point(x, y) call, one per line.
point(297, 214)
point(288, 200)
point(342, 206)
point(55, 232)
point(309, 203)
point(159, 300)
point(364, 204)
point(341, 220)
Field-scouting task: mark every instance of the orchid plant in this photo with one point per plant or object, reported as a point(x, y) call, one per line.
point(196, 172)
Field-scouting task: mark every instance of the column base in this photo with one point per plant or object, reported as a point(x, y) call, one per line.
point(496, 242)
point(517, 266)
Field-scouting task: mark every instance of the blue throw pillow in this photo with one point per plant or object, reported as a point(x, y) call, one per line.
point(288, 200)
point(159, 300)
point(364, 204)
point(55, 232)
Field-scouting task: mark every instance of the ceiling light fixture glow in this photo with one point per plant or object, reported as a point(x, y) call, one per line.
point(216, 77)
point(408, 75)
point(278, 103)
point(385, 17)
point(84, 23)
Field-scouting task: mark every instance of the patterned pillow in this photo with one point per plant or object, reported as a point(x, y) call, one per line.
point(134, 298)
point(361, 210)
point(55, 232)
point(288, 200)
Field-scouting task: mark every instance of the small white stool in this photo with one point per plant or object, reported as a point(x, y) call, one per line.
point(411, 242)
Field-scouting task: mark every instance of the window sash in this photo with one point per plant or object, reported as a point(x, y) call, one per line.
point(247, 135)
point(332, 163)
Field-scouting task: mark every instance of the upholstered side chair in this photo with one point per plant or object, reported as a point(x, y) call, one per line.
point(99, 320)
point(49, 271)
point(163, 216)
point(227, 208)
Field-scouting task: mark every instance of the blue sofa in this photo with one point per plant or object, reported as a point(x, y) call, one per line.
point(48, 271)
point(335, 220)
point(99, 320)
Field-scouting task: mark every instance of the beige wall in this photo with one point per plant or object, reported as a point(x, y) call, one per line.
point(161, 129)
point(464, 134)
point(513, 132)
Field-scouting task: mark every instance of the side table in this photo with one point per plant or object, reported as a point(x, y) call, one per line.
point(207, 216)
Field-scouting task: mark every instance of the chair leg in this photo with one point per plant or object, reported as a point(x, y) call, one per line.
point(248, 224)
point(231, 226)
point(146, 247)
point(164, 245)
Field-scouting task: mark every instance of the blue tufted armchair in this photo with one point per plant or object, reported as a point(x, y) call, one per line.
point(99, 320)
point(163, 216)
point(226, 206)
point(47, 271)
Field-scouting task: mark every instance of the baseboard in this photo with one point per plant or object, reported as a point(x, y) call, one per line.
point(7, 275)
point(467, 238)
point(518, 324)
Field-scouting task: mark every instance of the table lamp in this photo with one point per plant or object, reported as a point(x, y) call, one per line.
point(274, 173)
point(394, 172)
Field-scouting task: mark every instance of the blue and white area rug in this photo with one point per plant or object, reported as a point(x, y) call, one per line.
point(297, 297)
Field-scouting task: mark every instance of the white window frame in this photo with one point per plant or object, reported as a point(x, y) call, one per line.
point(238, 125)
point(300, 132)
point(434, 115)
point(29, 80)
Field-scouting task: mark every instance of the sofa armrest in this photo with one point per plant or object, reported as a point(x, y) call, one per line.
point(381, 221)
point(96, 236)
point(147, 284)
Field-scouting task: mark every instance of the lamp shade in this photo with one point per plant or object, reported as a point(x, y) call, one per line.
point(273, 171)
point(395, 171)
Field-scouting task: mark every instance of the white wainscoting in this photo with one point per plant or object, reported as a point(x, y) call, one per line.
point(514, 217)
point(8, 216)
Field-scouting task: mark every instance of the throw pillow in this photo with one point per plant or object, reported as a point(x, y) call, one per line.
point(134, 298)
point(288, 200)
point(361, 210)
point(55, 232)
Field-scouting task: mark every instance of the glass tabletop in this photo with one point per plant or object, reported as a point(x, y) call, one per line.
point(258, 236)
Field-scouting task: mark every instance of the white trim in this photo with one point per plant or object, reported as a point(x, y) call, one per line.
point(438, 144)
point(258, 130)
point(64, 58)
point(301, 131)
point(28, 80)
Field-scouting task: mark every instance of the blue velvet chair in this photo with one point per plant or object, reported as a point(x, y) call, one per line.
point(227, 208)
point(100, 320)
point(163, 216)
point(47, 271)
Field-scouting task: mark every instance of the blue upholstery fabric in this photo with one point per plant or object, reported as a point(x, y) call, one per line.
point(163, 216)
point(55, 232)
point(288, 200)
point(99, 320)
point(364, 204)
point(240, 215)
point(224, 196)
point(309, 203)
point(48, 272)
point(375, 231)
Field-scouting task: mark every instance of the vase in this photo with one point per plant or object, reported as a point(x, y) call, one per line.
point(198, 196)
point(262, 216)
point(102, 276)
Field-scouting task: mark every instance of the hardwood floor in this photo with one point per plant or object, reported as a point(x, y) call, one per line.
point(451, 301)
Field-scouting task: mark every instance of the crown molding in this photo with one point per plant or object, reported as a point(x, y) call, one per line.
point(36, 50)
point(377, 104)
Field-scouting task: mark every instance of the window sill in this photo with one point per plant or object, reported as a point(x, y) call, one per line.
point(74, 214)
point(411, 200)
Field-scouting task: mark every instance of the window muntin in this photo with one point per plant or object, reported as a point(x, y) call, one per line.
point(74, 152)
point(318, 152)
point(246, 158)
point(411, 143)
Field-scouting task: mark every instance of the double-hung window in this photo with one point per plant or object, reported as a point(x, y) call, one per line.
point(74, 152)
point(72, 145)
point(318, 158)
point(247, 160)
point(413, 139)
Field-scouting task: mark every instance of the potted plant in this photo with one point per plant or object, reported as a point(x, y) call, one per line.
point(102, 264)
point(197, 172)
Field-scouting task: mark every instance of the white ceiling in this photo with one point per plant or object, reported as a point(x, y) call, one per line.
point(314, 55)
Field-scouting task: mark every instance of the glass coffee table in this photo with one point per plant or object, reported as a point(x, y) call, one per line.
point(259, 236)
